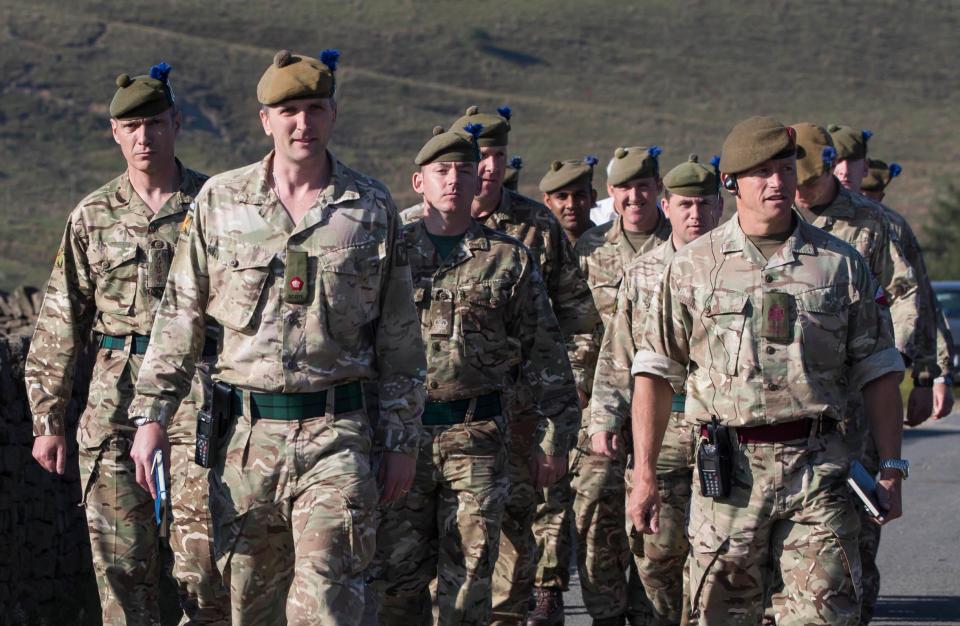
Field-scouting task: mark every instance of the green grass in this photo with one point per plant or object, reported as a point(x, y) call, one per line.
point(582, 77)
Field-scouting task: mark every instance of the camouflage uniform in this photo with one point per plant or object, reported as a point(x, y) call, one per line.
point(789, 503)
point(533, 225)
point(293, 496)
point(497, 319)
point(102, 280)
point(660, 558)
point(597, 481)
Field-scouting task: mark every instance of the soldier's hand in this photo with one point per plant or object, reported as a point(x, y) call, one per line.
point(888, 495)
point(643, 507)
point(149, 438)
point(397, 471)
point(547, 470)
point(50, 451)
point(942, 400)
point(584, 400)
point(605, 443)
point(919, 406)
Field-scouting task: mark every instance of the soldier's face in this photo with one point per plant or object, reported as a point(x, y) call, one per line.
point(636, 200)
point(851, 172)
point(571, 205)
point(491, 169)
point(767, 191)
point(301, 128)
point(690, 216)
point(148, 141)
point(816, 191)
point(448, 187)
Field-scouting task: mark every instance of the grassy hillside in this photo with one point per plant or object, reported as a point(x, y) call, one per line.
point(582, 77)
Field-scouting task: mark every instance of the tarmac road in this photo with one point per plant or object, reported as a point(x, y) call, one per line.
point(920, 553)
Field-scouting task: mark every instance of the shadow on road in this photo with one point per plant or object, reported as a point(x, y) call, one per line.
point(914, 609)
point(923, 433)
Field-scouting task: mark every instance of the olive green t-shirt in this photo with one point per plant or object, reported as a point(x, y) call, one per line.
point(445, 244)
point(635, 239)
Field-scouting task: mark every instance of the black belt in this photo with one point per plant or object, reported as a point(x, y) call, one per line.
point(455, 411)
point(298, 406)
point(140, 343)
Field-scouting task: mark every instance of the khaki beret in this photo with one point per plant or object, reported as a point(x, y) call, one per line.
point(512, 177)
point(293, 76)
point(142, 96)
point(879, 175)
point(495, 127)
point(632, 163)
point(754, 141)
point(449, 146)
point(815, 152)
point(691, 179)
point(568, 173)
point(849, 142)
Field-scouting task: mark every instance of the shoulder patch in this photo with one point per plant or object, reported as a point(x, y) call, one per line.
point(58, 262)
point(187, 222)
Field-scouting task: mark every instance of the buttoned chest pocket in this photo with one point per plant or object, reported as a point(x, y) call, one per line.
point(115, 266)
point(482, 311)
point(822, 320)
point(238, 275)
point(725, 320)
point(604, 293)
point(350, 284)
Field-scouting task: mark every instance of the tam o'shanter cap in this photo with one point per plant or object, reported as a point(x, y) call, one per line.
point(142, 96)
point(293, 76)
point(632, 163)
point(849, 142)
point(568, 173)
point(496, 127)
point(691, 179)
point(451, 146)
point(512, 178)
point(879, 175)
point(754, 141)
point(815, 152)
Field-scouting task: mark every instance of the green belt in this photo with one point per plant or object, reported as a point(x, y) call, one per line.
point(298, 406)
point(455, 411)
point(140, 343)
point(679, 401)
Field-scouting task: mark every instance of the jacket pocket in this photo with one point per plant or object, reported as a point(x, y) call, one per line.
point(726, 319)
point(237, 279)
point(116, 269)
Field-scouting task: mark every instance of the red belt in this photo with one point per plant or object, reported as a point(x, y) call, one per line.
point(778, 433)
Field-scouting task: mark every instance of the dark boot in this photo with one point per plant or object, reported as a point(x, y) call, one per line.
point(548, 610)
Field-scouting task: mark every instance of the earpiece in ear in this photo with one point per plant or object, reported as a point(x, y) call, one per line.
point(730, 184)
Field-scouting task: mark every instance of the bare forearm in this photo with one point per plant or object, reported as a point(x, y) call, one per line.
point(884, 407)
point(650, 414)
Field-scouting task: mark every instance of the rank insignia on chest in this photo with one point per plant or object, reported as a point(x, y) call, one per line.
point(296, 283)
point(776, 316)
point(295, 291)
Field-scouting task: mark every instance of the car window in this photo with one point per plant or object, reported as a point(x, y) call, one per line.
point(950, 302)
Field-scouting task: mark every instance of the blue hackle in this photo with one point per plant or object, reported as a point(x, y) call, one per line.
point(655, 151)
point(829, 155)
point(895, 170)
point(591, 160)
point(161, 72)
point(474, 129)
point(866, 134)
point(516, 163)
point(330, 57)
point(715, 162)
point(505, 112)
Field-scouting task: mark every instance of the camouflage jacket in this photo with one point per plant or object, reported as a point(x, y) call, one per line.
point(862, 223)
point(101, 281)
point(613, 382)
point(230, 264)
point(705, 332)
point(930, 326)
point(535, 226)
point(485, 316)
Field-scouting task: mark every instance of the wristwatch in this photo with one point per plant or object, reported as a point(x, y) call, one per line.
point(901, 465)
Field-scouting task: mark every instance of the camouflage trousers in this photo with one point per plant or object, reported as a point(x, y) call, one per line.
point(661, 558)
point(869, 543)
point(552, 534)
point(294, 504)
point(789, 507)
point(447, 526)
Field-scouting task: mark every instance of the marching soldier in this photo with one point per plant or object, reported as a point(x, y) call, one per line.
point(532, 465)
point(297, 258)
point(109, 276)
point(690, 199)
point(569, 194)
point(766, 324)
point(484, 316)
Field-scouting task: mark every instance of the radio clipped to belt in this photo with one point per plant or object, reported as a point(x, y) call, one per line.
point(715, 461)
point(212, 423)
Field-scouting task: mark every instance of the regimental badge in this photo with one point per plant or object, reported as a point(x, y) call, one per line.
point(296, 283)
point(58, 262)
point(186, 224)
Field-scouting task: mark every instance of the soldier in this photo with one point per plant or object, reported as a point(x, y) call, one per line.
point(598, 474)
point(569, 194)
point(533, 465)
point(765, 324)
point(297, 258)
point(850, 169)
point(484, 314)
point(878, 176)
point(108, 276)
point(690, 198)
point(512, 177)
